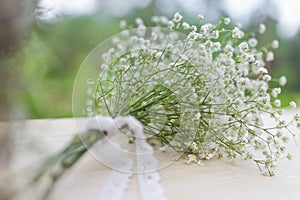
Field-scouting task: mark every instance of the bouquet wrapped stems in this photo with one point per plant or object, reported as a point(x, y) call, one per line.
point(59, 164)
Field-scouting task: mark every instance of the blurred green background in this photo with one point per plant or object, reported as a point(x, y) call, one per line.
point(64, 34)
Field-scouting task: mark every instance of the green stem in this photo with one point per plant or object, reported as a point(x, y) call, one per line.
point(58, 164)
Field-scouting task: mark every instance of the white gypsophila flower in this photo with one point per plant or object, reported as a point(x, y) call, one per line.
point(139, 21)
point(237, 33)
point(252, 42)
point(191, 158)
point(276, 92)
point(209, 156)
point(227, 20)
point(262, 28)
point(263, 70)
point(123, 24)
point(194, 146)
point(270, 56)
point(267, 77)
point(194, 28)
point(293, 104)
point(206, 28)
point(243, 47)
point(155, 19)
point(186, 26)
point(198, 115)
point(163, 20)
point(177, 17)
point(275, 44)
point(282, 81)
point(215, 34)
point(200, 17)
point(193, 35)
point(200, 162)
point(297, 117)
point(171, 25)
point(277, 103)
point(228, 49)
point(163, 148)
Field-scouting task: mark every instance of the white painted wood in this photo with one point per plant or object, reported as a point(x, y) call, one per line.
point(216, 180)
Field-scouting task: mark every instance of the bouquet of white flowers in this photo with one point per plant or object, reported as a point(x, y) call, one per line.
point(200, 89)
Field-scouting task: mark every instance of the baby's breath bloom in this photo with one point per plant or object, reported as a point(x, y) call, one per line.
point(171, 25)
point(267, 77)
point(200, 17)
point(123, 24)
point(270, 56)
point(228, 49)
point(282, 81)
point(263, 70)
point(155, 19)
point(262, 28)
point(206, 28)
point(163, 20)
point(186, 26)
point(297, 117)
point(139, 21)
point(237, 33)
point(227, 20)
point(177, 17)
point(276, 92)
point(191, 158)
point(243, 47)
point(275, 44)
point(197, 116)
point(277, 102)
point(215, 34)
point(194, 28)
point(193, 35)
point(252, 42)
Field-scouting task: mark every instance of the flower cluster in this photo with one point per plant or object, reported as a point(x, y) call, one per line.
point(198, 88)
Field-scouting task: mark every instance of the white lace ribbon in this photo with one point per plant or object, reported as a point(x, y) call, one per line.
point(117, 182)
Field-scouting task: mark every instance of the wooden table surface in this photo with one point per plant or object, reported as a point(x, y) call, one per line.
point(216, 180)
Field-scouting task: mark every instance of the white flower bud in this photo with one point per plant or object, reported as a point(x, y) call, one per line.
point(252, 42)
point(267, 77)
point(270, 56)
point(275, 44)
point(123, 24)
point(227, 21)
point(277, 103)
point(263, 70)
point(262, 28)
point(200, 17)
point(282, 81)
point(186, 26)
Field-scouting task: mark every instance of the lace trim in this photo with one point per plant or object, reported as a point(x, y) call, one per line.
point(117, 182)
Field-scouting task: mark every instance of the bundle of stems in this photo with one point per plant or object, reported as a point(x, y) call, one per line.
point(57, 165)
